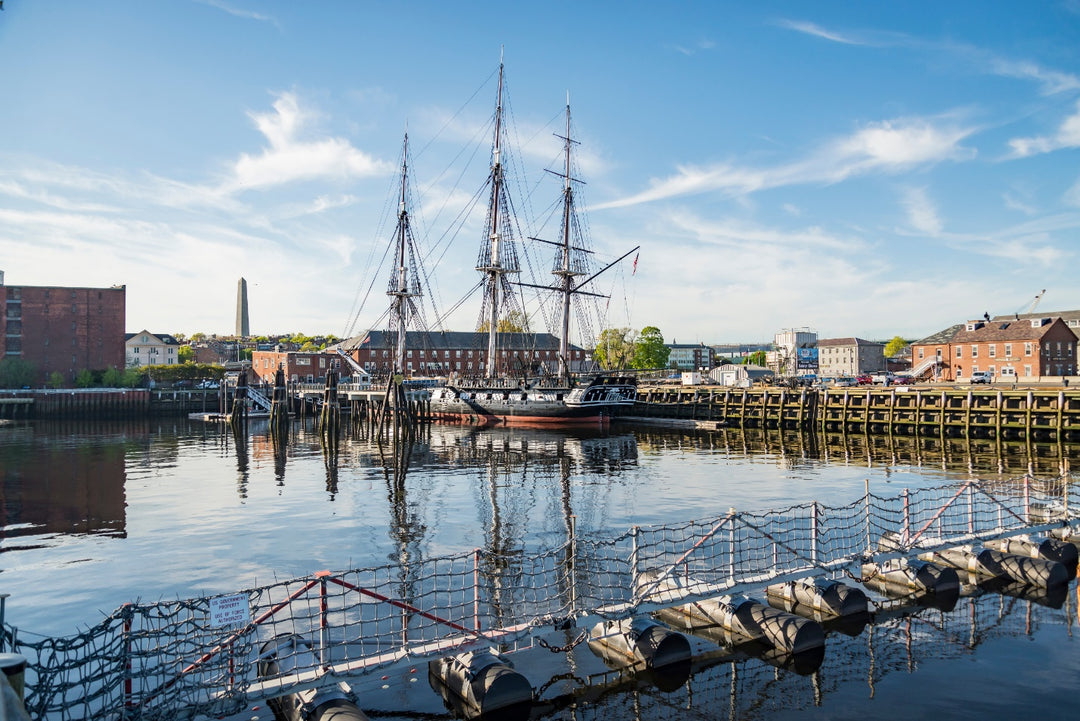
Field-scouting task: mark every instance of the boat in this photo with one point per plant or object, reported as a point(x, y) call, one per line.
point(565, 399)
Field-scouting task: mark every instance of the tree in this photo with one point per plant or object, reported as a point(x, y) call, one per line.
point(180, 337)
point(894, 346)
point(198, 337)
point(113, 378)
point(756, 358)
point(649, 349)
point(16, 373)
point(186, 354)
point(56, 380)
point(84, 378)
point(614, 348)
point(514, 322)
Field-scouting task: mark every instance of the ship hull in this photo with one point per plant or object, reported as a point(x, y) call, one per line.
point(550, 407)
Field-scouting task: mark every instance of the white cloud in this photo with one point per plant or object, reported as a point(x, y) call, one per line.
point(1067, 136)
point(1052, 81)
point(809, 28)
point(237, 12)
point(289, 159)
point(1072, 195)
point(922, 214)
point(889, 146)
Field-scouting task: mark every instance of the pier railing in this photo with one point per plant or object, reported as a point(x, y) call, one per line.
point(208, 656)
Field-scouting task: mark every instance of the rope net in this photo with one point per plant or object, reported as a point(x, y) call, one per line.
point(146, 661)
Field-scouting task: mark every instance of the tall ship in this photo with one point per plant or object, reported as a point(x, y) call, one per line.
point(499, 396)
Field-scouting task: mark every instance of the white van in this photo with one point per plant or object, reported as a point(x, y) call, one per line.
point(982, 377)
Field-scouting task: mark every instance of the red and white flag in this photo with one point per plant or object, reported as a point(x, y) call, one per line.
point(634, 271)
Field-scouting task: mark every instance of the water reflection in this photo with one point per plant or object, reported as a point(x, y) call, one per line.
point(803, 449)
point(54, 483)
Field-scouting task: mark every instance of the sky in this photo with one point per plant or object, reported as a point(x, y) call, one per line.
point(860, 169)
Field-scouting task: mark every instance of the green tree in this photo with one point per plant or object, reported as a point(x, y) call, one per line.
point(84, 378)
point(180, 337)
point(185, 354)
point(16, 373)
point(614, 348)
point(56, 380)
point(113, 378)
point(308, 347)
point(198, 337)
point(649, 349)
point(894, 346)
point(756, 358)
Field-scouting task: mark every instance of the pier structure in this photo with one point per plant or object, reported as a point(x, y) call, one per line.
point(777, 581)
point(1036, 412)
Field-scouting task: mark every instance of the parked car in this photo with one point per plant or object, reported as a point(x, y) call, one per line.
point(865, 380)
point(845, 382)
point(884, 379)
point(903, 381)
point(185, 383)
point(982, 377)
point(208, 385)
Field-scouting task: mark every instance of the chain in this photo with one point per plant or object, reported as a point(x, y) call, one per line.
point(568, 647)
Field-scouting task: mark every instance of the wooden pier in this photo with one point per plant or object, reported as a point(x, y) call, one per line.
point(993, 413)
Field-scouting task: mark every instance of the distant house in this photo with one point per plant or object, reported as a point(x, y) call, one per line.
point(145, 349)
point(739, 375)
point(691, 356)
point(849, 356)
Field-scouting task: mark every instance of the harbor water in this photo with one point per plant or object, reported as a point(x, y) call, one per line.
point(95, 515)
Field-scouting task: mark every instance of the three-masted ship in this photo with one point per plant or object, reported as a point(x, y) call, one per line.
point(502, 398)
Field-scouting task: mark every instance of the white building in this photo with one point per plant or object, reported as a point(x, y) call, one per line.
point(789, 342)
point(150, 349)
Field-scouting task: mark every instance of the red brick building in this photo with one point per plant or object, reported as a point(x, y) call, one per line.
point(426, 354)
point(63, 330)
point(1010, 349)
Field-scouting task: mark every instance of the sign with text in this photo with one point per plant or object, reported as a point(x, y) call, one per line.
point(229, 610)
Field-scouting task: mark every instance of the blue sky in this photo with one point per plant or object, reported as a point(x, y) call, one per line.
point(866, 169)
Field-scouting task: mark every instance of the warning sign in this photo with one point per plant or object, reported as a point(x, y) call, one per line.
point(229, 610)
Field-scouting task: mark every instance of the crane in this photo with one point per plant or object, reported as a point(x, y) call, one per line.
point(1034, 303)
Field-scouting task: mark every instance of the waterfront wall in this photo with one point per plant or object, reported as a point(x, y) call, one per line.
point(103, 402)
point(1028, 413)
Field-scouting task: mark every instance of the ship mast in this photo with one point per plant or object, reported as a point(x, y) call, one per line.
point(565, 272)
point(497, 258)
point(399, 283)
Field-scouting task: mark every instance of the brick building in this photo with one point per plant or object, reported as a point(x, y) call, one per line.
point(427, 354)
point(62, 330)
point(1011, 349)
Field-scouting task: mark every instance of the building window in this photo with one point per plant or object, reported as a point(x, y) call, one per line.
point(1027, 350)
point(1027, 371)
point(975, 351)
point(959, 352)
point(1008, 350)
point(920, 353)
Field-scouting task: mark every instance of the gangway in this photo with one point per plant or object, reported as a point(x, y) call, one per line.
point(259, 399)
point(363, 378)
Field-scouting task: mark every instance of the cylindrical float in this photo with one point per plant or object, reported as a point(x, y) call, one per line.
point(750, 620)
point(477, 683)
point(638, 640)
point(987, 562)
point(913, 575)
point(14, 667)
point(816, 597)
point(288, 653)
point(1051, 549)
